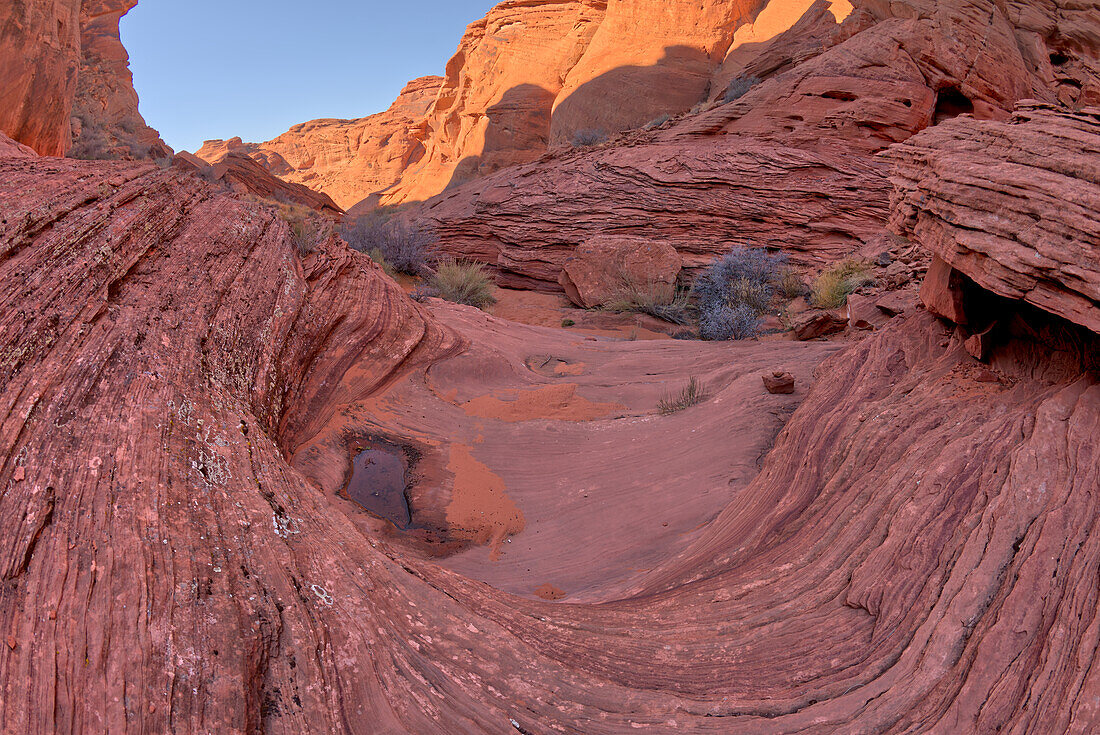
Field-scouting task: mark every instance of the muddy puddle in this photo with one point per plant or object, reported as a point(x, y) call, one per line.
point(379, 478)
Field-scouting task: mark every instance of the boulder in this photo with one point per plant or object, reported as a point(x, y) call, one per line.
point(942, 292)
point(605, 268)
point(862, 312)
point(897, 302)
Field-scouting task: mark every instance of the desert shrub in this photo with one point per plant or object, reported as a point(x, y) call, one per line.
point(463, 282)
point(588, 136)
point(405, 247)
point(567, 323)
point(422, 293)
point(691, 394)
point(831, 288)
point(379, 257)
point(734, 292)
point(305, 233)
point(725, 322)
point(658, 121)
point(650, 298)
point(791, 284)
point(739, 87)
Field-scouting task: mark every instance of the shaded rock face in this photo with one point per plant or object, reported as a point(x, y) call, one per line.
point(65, 78)
point(344, 159)
point(178, 388)
point(1013, 205)
point(39, 57)
point(608, 267)
point(105, 115)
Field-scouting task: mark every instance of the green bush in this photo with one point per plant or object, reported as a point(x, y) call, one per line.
point(463, 282)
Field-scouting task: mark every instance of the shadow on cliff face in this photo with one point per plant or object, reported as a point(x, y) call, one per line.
point(630, 96)
point(517, 131)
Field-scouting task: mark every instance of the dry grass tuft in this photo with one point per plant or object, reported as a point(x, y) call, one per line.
point(831, 288)
point(690, 395)
point(463, 282)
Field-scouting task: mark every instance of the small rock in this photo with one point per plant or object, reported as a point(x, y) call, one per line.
point(818, 323)
point(863, 314)
point(11, 642)
point(20, 474)
point(884, 259)
point(942, 292)
point(779, 381)
point(987, 376)
point(979, 344)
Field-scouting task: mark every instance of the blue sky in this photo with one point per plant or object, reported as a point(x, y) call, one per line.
point(253, 68)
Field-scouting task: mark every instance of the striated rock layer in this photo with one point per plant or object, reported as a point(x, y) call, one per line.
point(528, 220)
point(182, 392)
point(242, 174)
point(1014, 205)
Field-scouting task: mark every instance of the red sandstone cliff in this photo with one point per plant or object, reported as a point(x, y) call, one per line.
point(531, 74)
point(345, 159)
point(39, 57)
point(792, 163)
point(105, 117)
point(65, 78)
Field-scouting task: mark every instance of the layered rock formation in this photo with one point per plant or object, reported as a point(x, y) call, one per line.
point(105, 118)
point(790, 164)
point(242, 174)
point(528, 220)
point(1012, 205)
point(906, 543)
point(530, 75)
point(344, 159)
point(64, 77)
